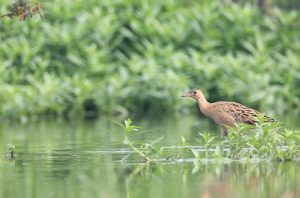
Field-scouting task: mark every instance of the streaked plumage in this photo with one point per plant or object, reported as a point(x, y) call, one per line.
point(226, 113)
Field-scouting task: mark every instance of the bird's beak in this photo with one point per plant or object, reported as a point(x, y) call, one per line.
point(186, 95)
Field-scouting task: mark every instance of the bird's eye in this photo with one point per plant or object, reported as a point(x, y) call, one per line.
point(194, 92)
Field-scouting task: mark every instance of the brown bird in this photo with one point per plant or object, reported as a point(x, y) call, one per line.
point(226, 114)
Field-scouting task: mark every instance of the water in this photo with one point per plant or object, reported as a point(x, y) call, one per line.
point(82, 159)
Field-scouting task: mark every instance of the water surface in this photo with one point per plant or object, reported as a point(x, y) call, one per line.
point(82, 159)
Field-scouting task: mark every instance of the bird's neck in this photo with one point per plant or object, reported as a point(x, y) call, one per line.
point(202, 102)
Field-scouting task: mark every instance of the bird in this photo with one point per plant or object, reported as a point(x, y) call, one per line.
point(226, 114)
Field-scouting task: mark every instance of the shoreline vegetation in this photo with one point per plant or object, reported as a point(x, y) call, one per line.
point(86, 58)
point(265, 142)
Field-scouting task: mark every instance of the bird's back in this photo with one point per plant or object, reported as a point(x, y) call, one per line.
point(231, 113)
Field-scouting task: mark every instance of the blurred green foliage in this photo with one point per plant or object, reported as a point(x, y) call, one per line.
point(141, 55)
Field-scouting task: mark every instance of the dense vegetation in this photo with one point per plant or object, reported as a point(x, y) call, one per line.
point(113, 56)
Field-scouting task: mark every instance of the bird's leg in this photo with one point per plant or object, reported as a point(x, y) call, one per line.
point(223, 132)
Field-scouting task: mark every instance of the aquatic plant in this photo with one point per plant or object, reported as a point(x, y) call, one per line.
point(207, 140)
point(129, 128)
point(266, 141)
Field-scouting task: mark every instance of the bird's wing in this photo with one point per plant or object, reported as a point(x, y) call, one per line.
point(240, 113)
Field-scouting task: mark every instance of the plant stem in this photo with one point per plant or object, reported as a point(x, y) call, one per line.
point(139, 152)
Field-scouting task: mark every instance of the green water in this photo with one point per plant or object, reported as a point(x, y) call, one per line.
point(82, 159)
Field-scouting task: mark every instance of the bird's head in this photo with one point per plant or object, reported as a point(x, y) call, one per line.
point(195, 93)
